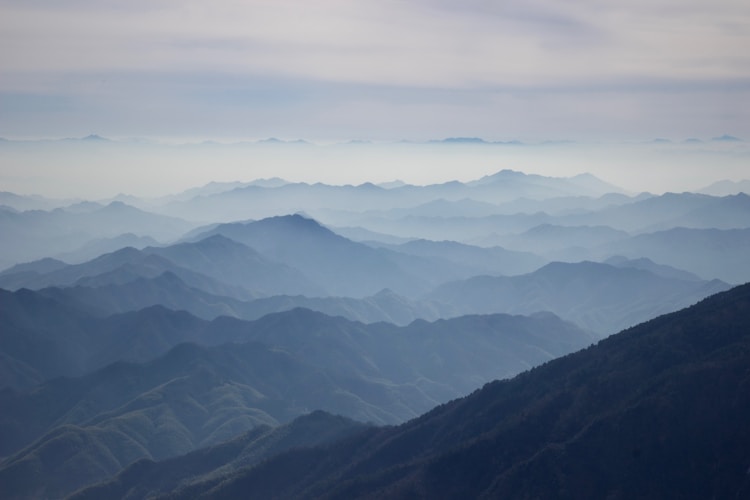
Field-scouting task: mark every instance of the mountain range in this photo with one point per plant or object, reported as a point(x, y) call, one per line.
point(512, 336)
point(161, 397)
point(657, 411)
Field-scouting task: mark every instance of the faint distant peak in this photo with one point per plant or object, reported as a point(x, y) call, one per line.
point(94, 137)
point(84, 207)
point(392, 184)
point(726, 188)
point(276, 140)
point(726, 138)
point(461, 140)
point(269, 183)
point(505, 174)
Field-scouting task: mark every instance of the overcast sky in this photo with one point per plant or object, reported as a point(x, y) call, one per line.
point(329, 70)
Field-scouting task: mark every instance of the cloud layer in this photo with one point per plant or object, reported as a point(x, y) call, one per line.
point(381, 69)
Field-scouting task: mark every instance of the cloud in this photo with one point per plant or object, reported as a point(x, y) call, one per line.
point(425, 43)
point(226, 61)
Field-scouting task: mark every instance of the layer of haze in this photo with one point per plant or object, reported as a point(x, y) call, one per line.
point(96, 169)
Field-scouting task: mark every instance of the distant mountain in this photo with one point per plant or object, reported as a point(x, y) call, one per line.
point(173, 293)
point(37, 234)
point(363, 235)
point(455, 228)
point(657, 411)
point(29, 202)
point(537, 186)
point(670, 210)
point(100, 246)
point(728, 212)
point(46, 265)
point(597, 296)
point(341, 266)
point(475, 260)
point(727, 187)
point(649, 265)
point(122, 266)
point(726, 138)
point(257, 201)
point(559, 242)
point(442, 208)
point(48, 334)
point(234, 263)
point(708, 253)
point(568, 205)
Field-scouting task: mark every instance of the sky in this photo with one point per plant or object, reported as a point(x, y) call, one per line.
point(590, 71)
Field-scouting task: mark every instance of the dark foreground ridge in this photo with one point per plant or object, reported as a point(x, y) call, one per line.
point(661, 410)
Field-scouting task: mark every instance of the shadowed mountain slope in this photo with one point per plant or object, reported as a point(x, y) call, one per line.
point(658, 411)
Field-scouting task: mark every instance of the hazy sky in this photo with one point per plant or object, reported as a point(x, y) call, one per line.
point(534, 70)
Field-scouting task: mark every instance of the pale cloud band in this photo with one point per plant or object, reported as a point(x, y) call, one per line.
point(127, 53)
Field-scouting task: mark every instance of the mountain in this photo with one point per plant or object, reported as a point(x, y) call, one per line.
point(341, 266)
point(236, 264)
point(728, 212)
point(710, 253)
point(22, 203)
point(36, 234)
point(455, 228)
point(123, 266)
point(43, 338)
point(727, 187)
point(94, 248)
point(668, 211)
point(474, 260)
point(85, 430)
point(657, 411)
point(556, 242)
point(257, 201)
point(45, 265)
point(146, 477)
point(600, 297)
point(173, 293)
point(69, 432)
point(649, 265)
point(538, 186)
